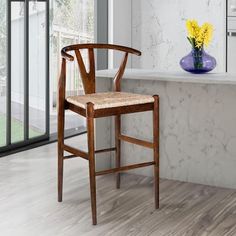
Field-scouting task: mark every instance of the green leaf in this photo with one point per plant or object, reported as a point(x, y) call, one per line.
point(191, 41)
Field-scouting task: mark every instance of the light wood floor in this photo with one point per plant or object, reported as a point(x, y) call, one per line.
point(28, 202)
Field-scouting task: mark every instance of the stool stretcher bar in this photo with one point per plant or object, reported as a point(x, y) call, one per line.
point(124, 168)
point(76, 152)
point(136, 141)
point(82, 154)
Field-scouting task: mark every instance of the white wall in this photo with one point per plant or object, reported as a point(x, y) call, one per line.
point(119, 28)
point(157, 28)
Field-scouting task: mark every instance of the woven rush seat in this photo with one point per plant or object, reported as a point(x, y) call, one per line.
point(109, 99)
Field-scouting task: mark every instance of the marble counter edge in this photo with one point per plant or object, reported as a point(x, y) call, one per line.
point(182, 77)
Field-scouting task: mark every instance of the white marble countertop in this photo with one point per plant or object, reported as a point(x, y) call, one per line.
point(141, 74)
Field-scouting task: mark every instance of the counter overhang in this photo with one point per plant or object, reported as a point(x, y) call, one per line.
point(183, 77)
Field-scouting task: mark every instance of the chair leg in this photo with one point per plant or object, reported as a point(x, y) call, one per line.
point(118, 145)
point(61, 121)
point(156, 149)
point(91, 151)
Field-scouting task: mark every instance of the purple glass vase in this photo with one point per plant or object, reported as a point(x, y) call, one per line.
point(198, 62)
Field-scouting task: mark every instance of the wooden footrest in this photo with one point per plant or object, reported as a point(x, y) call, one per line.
point(124, 168)
point(76, 152)
point(80, 153)
point(105, 150)
point(136, 141)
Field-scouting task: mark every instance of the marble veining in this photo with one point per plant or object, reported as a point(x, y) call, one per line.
point(198, 131)
point(158, 30)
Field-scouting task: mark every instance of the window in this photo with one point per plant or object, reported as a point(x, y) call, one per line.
point(28, 82)
point(72, 22)
point(3, 72)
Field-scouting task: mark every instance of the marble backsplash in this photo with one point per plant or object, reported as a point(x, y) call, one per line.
point(158, 30)
point(197, 136)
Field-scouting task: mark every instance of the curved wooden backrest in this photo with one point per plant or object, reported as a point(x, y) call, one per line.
point(88, 78)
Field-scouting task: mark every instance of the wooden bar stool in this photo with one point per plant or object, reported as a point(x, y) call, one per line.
point(93, 105)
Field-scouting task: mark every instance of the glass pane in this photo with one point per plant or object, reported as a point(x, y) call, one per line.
point(3, 67)
point(72, 23)
point(17, 72)
point(37, 68)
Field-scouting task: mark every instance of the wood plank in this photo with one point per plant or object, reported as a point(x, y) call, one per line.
point(69, 157)
point(156, 150)
point(123, 110)
point(105, 150)
point(136, 141)
point(76, 109)
point(28, 201)
point(118, 148)
point(124, 168)
point(75, 151)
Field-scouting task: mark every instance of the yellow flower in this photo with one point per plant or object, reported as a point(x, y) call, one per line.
point(193, 28)
point(199, 35)
point(205, 34)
